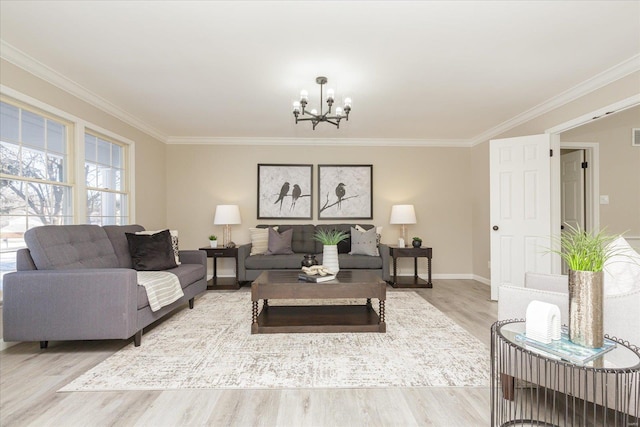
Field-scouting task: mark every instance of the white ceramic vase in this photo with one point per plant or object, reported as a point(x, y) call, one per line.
point(330, 258)
point(214, 243)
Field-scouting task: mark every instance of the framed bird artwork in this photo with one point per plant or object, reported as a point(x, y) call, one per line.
point(345, 191)
point(285, 191)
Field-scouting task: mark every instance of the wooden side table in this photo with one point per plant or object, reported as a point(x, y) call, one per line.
point(222, 282)
point(415, 253)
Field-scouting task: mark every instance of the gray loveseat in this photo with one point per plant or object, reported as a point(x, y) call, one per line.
point(302, 242)
point(76, 282)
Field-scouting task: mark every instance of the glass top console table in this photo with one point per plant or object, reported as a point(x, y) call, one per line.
point(530, 387)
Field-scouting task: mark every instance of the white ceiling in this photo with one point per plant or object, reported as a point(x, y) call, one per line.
point(431, 70)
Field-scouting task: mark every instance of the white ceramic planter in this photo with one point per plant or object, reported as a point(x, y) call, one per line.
point(330, 258)
point(214, 243)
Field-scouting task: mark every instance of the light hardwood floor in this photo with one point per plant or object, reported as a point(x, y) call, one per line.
point(30, 378)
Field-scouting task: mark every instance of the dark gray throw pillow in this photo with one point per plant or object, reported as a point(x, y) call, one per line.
point(279, 243)
point(151, 252)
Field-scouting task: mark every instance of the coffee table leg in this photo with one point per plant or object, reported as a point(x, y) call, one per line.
point(368, 302)
point(254, 312)
point(383, 325)
point(265, 304)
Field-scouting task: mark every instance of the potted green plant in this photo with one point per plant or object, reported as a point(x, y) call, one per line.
point(330, 239)
point(417, 242)
point(585, 254)
point(213, 240)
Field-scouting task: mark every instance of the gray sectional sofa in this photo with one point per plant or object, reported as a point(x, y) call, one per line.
point(302, 242)
point(76, 282)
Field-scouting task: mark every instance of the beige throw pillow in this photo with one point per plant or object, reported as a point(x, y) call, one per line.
point(259, 240)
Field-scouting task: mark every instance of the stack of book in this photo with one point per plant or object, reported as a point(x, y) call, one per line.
point(315, 278)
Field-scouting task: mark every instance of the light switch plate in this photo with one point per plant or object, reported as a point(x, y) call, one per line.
point(604, 200)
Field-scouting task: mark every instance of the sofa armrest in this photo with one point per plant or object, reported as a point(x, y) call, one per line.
point(386, 259)
point(513, 302)
point(243, 254)
point(194, 257)
point(79, 304)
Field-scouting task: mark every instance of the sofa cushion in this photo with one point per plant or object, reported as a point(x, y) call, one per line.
point(120, 243)
point(279, 243)
point(55, 247)
point(151, 252)
point(302, 241)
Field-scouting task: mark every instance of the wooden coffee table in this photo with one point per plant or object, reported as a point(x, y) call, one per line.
point(318, 318)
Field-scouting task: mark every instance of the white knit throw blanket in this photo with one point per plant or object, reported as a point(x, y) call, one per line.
point(162, 288)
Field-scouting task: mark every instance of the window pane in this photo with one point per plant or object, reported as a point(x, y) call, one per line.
point(56, 137)
point(117, 179)
point(91, 175)
point(32, 129)
point(34, 164)
point(104, 152)
point(49, 203)
point(116, 155)
point(9, 158)
point(55, 167)
point(13, 198)
point(9, 124)
point(106, 208)
point(90, 148)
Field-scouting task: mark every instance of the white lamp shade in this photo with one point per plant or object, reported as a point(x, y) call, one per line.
point(227, 214)
point(402, 214)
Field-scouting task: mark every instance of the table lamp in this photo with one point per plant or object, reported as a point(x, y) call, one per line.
point(227, 215)
point(403, 214)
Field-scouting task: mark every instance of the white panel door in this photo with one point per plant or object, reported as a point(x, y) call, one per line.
point(572, 204)
point(572, 189)
point(520, 177)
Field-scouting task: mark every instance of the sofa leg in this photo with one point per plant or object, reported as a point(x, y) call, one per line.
point(191, 302)
point(44, 344)
point(137, 338)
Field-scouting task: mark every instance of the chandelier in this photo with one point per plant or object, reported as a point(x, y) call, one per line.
point(299, 108)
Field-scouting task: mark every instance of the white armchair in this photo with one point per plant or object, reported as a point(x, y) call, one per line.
point(621, 311)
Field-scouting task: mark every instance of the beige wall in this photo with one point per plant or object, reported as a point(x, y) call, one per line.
point(619, 168)
point(150, 160)
point(435, 180)
point(607, 95)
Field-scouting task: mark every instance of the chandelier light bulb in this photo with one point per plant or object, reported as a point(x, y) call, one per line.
point(314, 112)
point(296, 106)
point(304, 95)
point(330, 94)
point(339, 112)
point(347, 102)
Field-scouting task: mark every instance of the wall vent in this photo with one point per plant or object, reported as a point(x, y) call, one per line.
point(635, 137)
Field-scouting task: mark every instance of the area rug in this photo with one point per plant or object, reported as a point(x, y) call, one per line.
point(212, 347)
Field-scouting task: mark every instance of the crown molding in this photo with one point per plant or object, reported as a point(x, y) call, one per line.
point(608, 76)
point(40, 70)
point(367, 142)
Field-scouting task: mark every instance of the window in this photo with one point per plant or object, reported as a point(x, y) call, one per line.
point(35, 187)
point(41, 172)
point(105, 181)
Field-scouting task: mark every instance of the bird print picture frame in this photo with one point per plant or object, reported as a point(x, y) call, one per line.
point(345, 191)
point(285, 191)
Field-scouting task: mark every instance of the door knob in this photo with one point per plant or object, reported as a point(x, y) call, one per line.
point(495, 228)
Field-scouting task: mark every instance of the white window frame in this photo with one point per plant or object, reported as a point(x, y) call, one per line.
point(76, 154)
